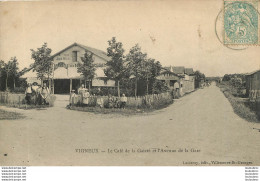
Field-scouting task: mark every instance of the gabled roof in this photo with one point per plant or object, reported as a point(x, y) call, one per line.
point(165, 71)
point(29, 74)
point(178, 70)
point(167, 75)
point(253, 72)
point(189, 71)
point(167, 68)
point(95, 51)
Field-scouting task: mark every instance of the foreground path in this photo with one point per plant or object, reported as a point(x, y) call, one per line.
point(202, 121)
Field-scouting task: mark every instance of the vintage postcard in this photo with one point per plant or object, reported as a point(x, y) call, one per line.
point(130, 83)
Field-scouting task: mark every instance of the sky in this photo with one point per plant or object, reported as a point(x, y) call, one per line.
point(177, 33)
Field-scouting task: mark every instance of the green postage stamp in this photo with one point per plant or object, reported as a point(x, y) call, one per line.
point(241, 22)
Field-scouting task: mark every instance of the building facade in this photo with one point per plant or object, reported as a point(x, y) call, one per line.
point(65, 76)
point(253, 85)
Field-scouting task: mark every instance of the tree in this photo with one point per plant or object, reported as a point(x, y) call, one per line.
point(135, 61)
point(14, 69)
point(42, 62)
point(87, 67)
point(2, 65)
point(151, 69)
point(115, 66)
point(10, 69)
point(159, 87)
point(226, 77)
point(146, 71)
point(198, 78)
point(7, 70)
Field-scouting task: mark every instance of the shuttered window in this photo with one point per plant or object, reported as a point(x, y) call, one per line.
point(74, 56)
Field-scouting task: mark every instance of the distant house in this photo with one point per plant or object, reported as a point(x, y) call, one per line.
point(179, 70)
point(189, 81)
point(178, 77)
point(253, 85)
point(170, 78)
point(65, 62)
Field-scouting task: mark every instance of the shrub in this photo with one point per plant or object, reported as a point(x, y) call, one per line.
point(154, 101)
point(242, 109)
point(159, 87)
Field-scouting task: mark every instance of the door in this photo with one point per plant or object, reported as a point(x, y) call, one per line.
point(61, 86)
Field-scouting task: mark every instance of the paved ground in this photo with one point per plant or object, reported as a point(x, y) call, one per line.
point(203, 120)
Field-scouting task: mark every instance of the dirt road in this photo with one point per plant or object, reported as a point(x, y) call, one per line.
point(202, 123)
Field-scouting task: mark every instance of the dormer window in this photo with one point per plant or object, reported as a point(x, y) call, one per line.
point(74, 56)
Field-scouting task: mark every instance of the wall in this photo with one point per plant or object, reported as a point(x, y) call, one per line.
point(64, 59)
point(188, 86)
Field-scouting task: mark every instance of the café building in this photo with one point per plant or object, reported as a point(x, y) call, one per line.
point(65, 76)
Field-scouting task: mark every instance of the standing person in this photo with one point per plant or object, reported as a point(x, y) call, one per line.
point(123, 101)
point(81, 90)
point(100, 101)
point(34, 93)
point(28, 93)
point(44, 94)
point(38, 96)
point(72, 97)
point(86, 96)
point(176, 87)
point(116, 103)
point(110, 101)
point(35, 86)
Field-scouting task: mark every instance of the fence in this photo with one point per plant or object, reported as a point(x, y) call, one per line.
point(258, 108)
point(148, 101)
point(18, 100)
point(254, 94)
point(254, 97)
point(12, 99)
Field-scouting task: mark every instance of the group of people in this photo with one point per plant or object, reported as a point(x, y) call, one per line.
point(117, 102)
point(37, 94)
point(84, 98)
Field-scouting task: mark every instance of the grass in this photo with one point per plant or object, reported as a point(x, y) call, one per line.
point(6, 115)
point(26, 106)
point(240, 106)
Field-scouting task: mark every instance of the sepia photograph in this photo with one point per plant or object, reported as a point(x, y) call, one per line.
point(130, 83)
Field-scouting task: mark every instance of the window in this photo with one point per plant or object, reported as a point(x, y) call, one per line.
point(105, 82)
point(172, 83)
point(74, 56)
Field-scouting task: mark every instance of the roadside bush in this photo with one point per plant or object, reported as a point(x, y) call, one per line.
point(241, 108)
point(235, 87)
point(153, 101)
point(104, 91)
point(157, 101)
